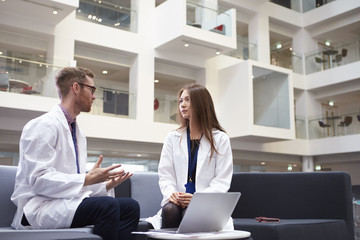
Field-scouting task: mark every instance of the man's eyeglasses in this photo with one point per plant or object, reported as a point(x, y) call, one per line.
point(92, 88)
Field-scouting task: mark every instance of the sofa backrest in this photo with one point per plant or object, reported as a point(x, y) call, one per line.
point(7, 183)
point(315, 195)
point(145, 189)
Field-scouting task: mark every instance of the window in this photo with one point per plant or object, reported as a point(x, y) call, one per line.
point(115, 102)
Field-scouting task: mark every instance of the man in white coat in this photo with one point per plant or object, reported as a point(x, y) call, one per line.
point(52, 188)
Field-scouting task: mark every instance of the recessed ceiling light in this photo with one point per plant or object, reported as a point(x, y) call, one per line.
point(1, 53)
point(278, 46)
point(331, 103)
point(138, 155)
point(55, 11)
point(117, 24)
point(289, 168)
point(156, 81)
point(104, 72)
point(327, 43)
point(186, 45)
point(262, 163)
point(217, 52)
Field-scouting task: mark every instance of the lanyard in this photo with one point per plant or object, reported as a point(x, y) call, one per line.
point(73, 133)
point(192, 162)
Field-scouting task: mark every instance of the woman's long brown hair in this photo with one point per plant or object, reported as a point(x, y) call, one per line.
point(203, 113)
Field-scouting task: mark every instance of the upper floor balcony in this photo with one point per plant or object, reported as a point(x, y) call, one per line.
point(25, 11)
point(184, 26)
point(108, 14)
point(34, 75)
point(302, 5)
point(329, 57)
point(255, 101)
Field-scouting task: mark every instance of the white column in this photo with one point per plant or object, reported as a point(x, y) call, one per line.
point(307, 163)
point(259, 34)
point(303, 43)
point(60, 52)
point(141, 82)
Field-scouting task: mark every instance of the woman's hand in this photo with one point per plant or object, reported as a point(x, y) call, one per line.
point(184, 199)
point(174, 198)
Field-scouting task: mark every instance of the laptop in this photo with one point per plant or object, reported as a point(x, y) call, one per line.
point(207, 212)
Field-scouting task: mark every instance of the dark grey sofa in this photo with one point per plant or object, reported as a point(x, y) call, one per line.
point(315, 205)
point(7, 209)
point(310, 206)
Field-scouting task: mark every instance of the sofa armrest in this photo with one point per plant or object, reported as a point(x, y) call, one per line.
point(7, 183)
point(145, 189)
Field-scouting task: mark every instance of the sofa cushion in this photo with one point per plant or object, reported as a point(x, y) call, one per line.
point(46, 235)
point(145, 189)
point(294, 229)
point(123, 190)
point(7, 183)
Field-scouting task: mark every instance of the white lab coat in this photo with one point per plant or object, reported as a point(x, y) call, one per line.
point(47, 188)
point(212, 175)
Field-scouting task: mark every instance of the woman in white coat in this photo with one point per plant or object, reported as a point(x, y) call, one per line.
point(196, 157)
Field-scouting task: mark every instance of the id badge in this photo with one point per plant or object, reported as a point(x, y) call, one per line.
point(190, 187)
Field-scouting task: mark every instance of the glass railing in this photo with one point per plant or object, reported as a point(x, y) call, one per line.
point(113, 101)
point(211, 18)
point(300, 127)
point(244, 50)
point(165, 108)
point(287, 58)
point(332, 57)
point(32, 77)
point(26, 76)
point(333, 126)
point(107, 14)
point(307, 5)
point(302, 5)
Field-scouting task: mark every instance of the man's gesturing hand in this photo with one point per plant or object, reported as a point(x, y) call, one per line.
point(117, 181)
point(98, 174)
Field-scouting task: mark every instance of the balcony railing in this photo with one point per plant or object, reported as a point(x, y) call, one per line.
point(26, 76)
point(302, 5)
point(287, 58)
point(332, 57)
point(212, 18)
point(333, 126)
point(244, 50)
point(300, 125)
point(108, 14)
point(165, 108)
point(113, 101)
point(34, 77)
